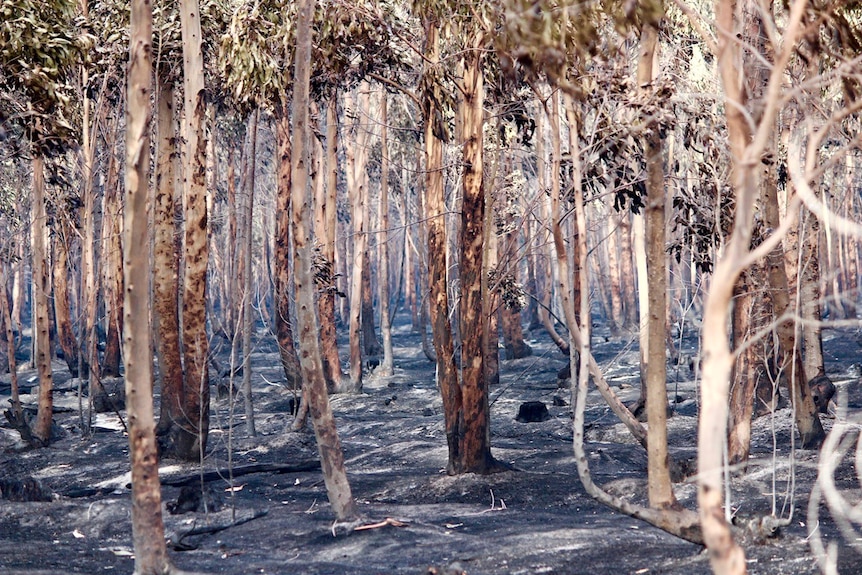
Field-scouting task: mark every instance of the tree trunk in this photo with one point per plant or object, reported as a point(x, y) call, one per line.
point(173, 423)
point(438, 303)
point(113, 258)
point(370, 346)
point(326, 225)
point(627, 274)
point(810, 297)
point(247, 316)
point(231, 248)
point(661, 494)
point(357, 156)
point(328, 443)
point(383, 280)
point(148, 531)
point(16, 414)
point(62, 311)
point(615, 319)
point(283, 327)
point(41, 288)
point(475, 450)
point(194, 297)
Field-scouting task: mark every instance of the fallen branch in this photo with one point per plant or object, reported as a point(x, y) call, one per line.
point(212, 524)
point(192, 479)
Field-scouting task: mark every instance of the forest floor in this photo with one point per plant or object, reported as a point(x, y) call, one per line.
point(536, 518)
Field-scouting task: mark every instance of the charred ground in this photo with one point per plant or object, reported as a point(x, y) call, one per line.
point(534, 519)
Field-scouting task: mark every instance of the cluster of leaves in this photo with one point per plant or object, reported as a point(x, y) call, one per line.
point(509, 202)
point(350, 41)
point(41, 41)
point(511, 293)
point(612, 150)
point(324, 272)
point(703, 210)
point(63, 202)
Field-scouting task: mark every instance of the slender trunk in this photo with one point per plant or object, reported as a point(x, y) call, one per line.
point(438, 303)
point(383, 280)
point(194, 297)
point(62, 311)
point(627, 274)
point(370, 346)
point(172, 420)
point(231, 248)
point(113, 258)
point(325, 234)
point(660, 491)
point(247, 316)
point(148, 531)
point(16, 414)
point(283, 327)
point(809, 298)
point(41, 289)
point(615, 288)
point(357, 155)
point(328, 443)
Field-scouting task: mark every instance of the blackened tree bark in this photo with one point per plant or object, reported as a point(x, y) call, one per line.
point(438, 301)
point(173, 422)
point(62, 311)
point(475, 451)
point(325, 235)
point(283, 326)
point(113, 266)
point(194, 296)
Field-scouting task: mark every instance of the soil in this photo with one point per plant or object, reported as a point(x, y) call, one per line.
point(533, 519)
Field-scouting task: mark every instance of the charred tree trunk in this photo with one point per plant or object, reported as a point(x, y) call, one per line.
point(326, 222)
point(283, 328)
point(247, 316)
point(357, 156)
point(194, 296)
point(475, 450)
point(62, 310)
point(113, 258)
point(438, 303)
point(173, 422)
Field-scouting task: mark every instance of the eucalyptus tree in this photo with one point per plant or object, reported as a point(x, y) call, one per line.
point(41, 44)
point(561, 49)
point(147, 526)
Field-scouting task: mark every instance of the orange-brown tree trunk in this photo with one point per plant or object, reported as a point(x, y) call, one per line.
point(148, 531)
point(194, 294)
point(438, 302)
point(173, 423)
point(475, 450)
point(41, 289)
